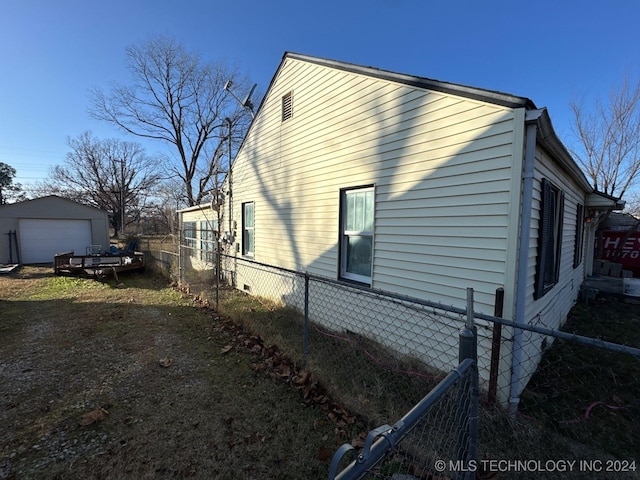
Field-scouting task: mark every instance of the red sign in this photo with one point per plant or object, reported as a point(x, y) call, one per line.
point(622, 247)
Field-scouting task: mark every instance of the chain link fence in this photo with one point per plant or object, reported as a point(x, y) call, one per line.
point(161, 255)
point(577, 416)
point(377, 354)
point(442, 425)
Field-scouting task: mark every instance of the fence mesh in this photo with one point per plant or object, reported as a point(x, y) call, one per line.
point(161, 255)
point(581, 401)
point(436, 439)
point(350, 330)
point(378, 354)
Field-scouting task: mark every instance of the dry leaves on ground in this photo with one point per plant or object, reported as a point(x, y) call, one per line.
point(94, 416)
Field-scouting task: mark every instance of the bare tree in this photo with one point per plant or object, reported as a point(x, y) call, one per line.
point(632, 205)
point(179, 100)
point(170, 197)
point(112, 175)
point(609, 139)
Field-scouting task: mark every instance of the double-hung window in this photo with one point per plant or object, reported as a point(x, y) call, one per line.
point(549, 238)
point(248, 238)
point(356, 244)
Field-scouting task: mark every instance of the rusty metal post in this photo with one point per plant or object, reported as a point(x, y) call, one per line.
point(496, 340)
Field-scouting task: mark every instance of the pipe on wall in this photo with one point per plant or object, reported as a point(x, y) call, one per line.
point(531, 119)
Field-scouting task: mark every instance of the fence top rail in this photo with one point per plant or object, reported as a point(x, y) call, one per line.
point(356, 286)
point(594, 342)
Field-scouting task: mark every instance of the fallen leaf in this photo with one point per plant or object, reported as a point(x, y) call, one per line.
point(358, 442)
point(165, 362)
point(303, 377)
point(324, 454)
point(93, 416)
point(226, 349)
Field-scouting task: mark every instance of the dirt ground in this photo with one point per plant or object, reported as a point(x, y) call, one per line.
point(138, 381)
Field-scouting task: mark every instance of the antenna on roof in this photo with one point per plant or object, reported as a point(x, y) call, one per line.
point(246, 103)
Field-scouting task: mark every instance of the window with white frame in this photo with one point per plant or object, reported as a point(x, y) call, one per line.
point(207, 239)
point(549, 238)
point(248, 238)
point(356, 243)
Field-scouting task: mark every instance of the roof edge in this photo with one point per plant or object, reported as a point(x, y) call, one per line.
point(490, 96)
point(57, 197)
point(596, 198)
point(193, 208)
point(550, 141)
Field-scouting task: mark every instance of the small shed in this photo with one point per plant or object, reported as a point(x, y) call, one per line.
point(198, 227)
point(35, 230)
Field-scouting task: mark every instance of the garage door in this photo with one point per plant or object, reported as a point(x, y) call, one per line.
point(41, 239)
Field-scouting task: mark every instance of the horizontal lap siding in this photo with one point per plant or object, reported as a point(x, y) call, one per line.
point(441, 166)
point(560, 299)
point(552, 309)
point(451, 218)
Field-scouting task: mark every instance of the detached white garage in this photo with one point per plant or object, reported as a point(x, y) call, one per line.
point(35, 230)
point(40, 237)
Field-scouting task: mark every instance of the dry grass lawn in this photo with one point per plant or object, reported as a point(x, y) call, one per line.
point(99, 382)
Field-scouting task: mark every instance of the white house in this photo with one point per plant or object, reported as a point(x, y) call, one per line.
point(418, 187)
point(42, 227)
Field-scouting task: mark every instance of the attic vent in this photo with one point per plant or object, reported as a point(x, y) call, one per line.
point(287, 106)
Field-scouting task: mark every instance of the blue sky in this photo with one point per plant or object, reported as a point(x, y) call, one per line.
point(53, 52)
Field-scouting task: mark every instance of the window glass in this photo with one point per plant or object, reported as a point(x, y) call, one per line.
point(207, 240)
point(368, 212)
point(549, 239)
point(359, 255)
point(190, 234)
point(248, 212)
point(359, 211)
point(249, 243)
